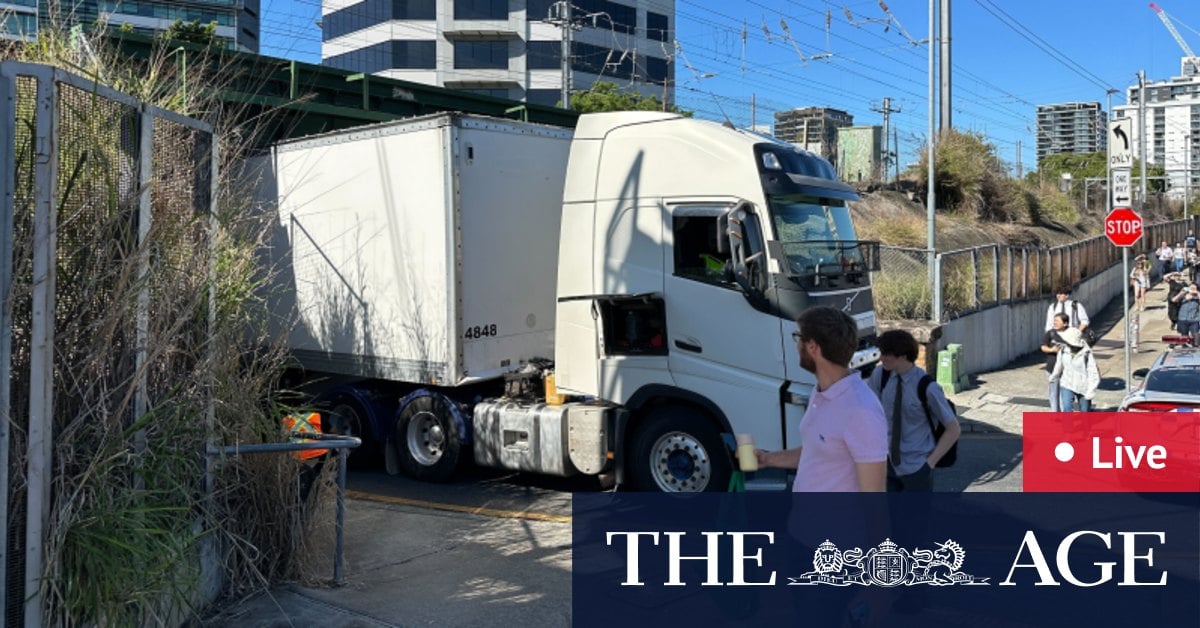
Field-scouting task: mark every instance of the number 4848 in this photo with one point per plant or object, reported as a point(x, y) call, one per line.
point(479, 331)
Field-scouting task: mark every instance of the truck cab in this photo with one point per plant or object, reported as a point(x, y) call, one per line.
point(687, 251)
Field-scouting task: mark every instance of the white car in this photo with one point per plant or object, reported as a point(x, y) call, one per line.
point(1171, 384)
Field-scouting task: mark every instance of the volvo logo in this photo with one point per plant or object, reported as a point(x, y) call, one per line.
point(850, 301)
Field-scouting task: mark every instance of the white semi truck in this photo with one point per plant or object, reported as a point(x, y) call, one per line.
point(617, 299)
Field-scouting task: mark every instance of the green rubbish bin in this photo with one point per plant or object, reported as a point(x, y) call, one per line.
point(949, 375)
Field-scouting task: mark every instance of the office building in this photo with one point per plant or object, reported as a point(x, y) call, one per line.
point(504, 48)
point(237, 20)
point(18, 20)
point(860, 149)
point(1071, 127)
point(1171, 128)
point(814, 129)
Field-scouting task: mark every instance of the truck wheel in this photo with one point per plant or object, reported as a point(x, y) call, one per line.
point(427, 440)
point(347, 418)
point(679, 451)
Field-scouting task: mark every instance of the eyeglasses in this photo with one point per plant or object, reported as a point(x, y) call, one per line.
point(797, 337)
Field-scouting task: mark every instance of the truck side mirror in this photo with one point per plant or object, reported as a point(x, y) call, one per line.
point(749, 268)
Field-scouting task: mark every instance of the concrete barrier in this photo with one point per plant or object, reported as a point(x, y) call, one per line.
point(998, 335)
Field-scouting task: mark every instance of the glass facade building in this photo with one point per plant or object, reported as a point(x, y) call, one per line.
point(237, 20)
point(504, 48)
point(18, 19)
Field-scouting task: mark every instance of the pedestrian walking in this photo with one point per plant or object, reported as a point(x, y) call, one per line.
point(915, 405)
point(1189, 313)
point(1166, 257)
point(1076, 371)
point(843, 433)
point(1139, 278)
point(1179, 257)
point(1051, 344)
point(1064, 304)
point(1175, 284)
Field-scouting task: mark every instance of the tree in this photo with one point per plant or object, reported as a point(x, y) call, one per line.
point(604, 96)
point(1089, 165)
point(1153, 170)
point(193, 32)
point(1079, 166)
point(970, 177)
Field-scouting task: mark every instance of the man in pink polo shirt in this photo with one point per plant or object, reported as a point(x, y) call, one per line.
point(843, 434)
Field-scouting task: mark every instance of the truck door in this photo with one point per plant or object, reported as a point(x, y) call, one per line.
point(719, 345)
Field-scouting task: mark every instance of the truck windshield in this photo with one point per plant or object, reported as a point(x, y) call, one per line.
point(816, 233)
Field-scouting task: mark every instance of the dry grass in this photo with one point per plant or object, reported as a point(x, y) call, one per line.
point(132, 508)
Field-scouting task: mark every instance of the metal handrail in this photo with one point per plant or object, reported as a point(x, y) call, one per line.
point(324, 441)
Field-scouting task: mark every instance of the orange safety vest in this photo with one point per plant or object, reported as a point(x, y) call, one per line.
point(310, 424)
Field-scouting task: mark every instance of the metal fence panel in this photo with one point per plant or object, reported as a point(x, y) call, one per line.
point(109, 302)
point(981, 277)
point(901, 288)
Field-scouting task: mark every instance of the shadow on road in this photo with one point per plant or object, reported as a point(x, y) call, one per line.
point(987, 462)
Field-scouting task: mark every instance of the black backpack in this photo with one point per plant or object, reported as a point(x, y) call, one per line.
point(1088, 335)
point(937, 427)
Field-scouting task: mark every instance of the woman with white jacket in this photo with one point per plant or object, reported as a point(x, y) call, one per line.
point(1076, 372)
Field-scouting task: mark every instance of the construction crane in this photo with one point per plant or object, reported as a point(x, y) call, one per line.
point(1187, 50)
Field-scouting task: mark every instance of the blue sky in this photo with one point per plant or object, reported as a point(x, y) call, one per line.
point(1008, 57)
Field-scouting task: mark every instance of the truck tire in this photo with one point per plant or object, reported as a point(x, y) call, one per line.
point(427, 440)
point(678, 450)
point(348, 418)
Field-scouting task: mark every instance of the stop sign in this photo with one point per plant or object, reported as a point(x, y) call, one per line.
point(1123, 226)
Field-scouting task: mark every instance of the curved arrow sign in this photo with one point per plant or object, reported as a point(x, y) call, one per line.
point(1120, 149)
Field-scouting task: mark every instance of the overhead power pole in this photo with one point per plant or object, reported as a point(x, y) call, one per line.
point(896, 143)
point(1019, 173)
point(1187, 174)
point(930, 195)
point(562, 18)
point(1141, 134)
point(886, 110)
point(944, 43)
point(566, 54)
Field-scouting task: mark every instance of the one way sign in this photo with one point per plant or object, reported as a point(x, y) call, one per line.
point(1122, 193)
point(1120, 145)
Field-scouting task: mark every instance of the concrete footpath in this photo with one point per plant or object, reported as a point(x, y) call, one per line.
point(996, 400)
point(412, 566)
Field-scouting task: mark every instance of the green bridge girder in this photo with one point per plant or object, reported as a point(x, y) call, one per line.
point(285, 99)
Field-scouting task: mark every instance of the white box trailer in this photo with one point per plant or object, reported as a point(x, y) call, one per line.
point(419, 251)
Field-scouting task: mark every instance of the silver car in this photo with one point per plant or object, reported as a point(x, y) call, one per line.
point(1171, 384)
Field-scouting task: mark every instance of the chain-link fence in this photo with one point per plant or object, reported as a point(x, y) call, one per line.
point(106, 266)
point(981, 277)
point(901, 287)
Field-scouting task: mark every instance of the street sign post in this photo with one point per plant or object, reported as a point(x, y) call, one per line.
point(1123, 227)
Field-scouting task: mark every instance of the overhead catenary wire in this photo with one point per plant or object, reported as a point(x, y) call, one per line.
point(1025, 32)
point(874, 78)
point(878, 71)
point(780, 84)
